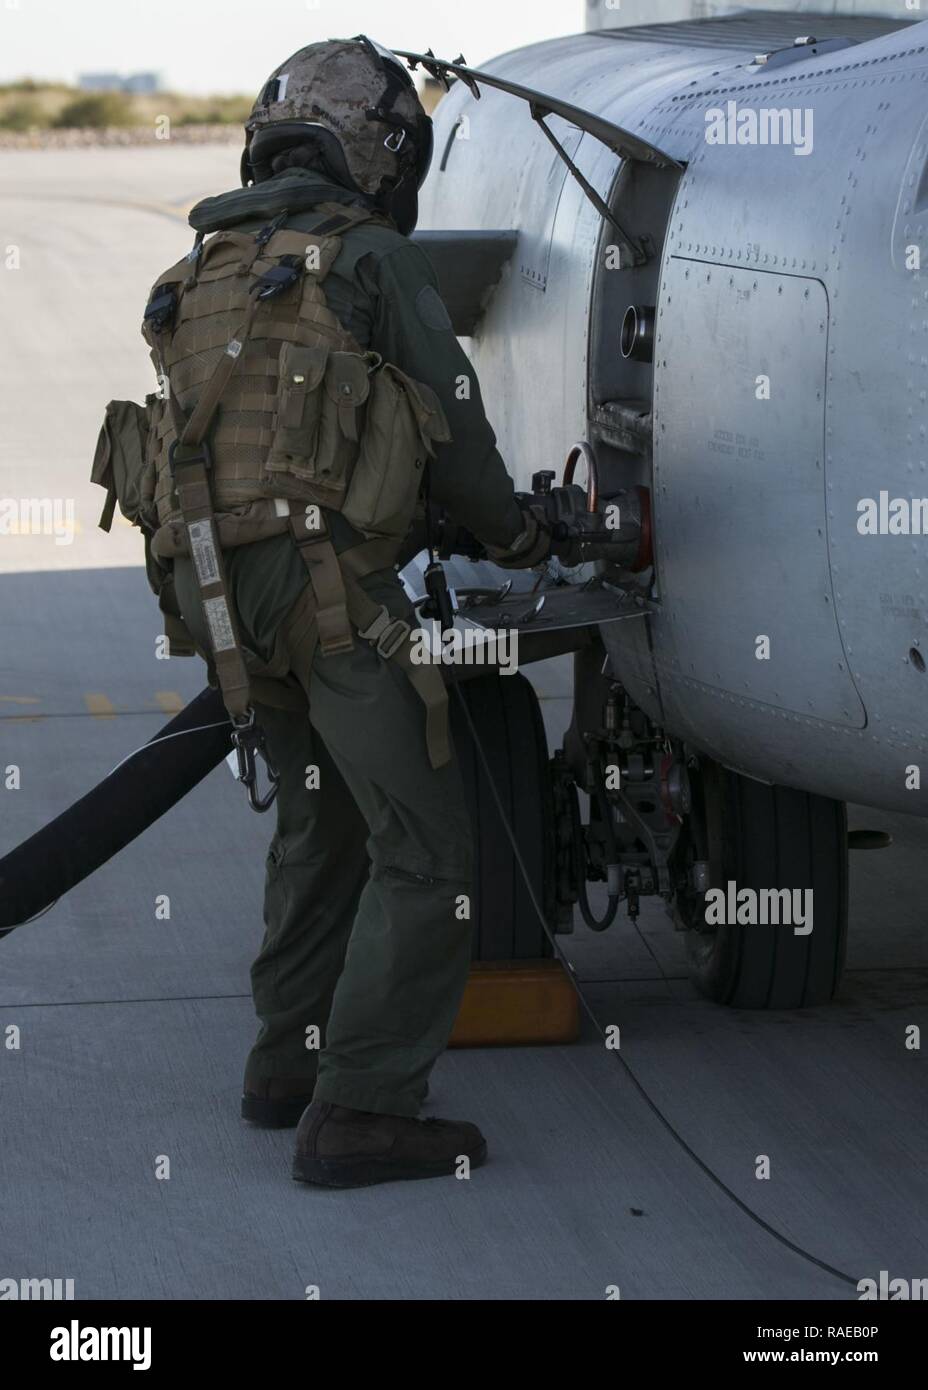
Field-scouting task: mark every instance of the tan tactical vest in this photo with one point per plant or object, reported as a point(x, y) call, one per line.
point(272, 416)
point(305, 414)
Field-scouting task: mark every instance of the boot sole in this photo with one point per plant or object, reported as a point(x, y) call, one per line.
point(365, 1172)
point(274, 1114)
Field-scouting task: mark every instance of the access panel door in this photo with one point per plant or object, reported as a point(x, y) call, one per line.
point(747, 606)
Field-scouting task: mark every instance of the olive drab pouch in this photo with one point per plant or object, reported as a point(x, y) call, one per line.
point(124, 461)
point(321, 402)
point(404, 421)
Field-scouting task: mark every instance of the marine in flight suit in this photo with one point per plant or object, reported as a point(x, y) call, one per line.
point(368, 940)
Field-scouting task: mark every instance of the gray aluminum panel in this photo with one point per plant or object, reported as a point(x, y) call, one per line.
point(748, 473)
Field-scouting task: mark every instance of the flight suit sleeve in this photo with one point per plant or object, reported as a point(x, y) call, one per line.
point(413, 330)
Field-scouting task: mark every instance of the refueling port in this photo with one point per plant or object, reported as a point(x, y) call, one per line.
point(637, 339)
point(584, 452)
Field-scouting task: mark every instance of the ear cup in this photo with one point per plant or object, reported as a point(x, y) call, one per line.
point(401, 202)
point(246, 171)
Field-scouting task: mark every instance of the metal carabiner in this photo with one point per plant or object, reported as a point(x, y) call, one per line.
point(249, 742)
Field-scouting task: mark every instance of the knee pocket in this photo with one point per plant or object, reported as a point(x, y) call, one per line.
point(448, 879)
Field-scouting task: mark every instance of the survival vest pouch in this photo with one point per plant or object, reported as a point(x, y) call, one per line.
point(124, 464)
point(274, 412)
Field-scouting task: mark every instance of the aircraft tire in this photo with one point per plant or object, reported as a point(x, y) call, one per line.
point(760, 837)
point(509, 726)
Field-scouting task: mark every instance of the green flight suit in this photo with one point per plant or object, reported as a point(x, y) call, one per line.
point(368, 937)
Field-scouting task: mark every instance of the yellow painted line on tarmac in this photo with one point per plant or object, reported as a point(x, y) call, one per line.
point(19, 699)
point(100, 706)
point(169, 701)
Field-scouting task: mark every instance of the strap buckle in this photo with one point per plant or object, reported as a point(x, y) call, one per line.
point(279, 278)
point(270, 229)
point(160, 310)
point(387, 634)
point(250, 744)
point(200, 454)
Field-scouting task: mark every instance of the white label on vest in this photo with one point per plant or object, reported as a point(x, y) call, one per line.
point(203, 550)
point(220, 624)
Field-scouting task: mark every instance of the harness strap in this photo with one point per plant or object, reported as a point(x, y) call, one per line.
point(325, 574)
point(391, 637)
point(208, 403)
point(196, 503)
point(301, 637)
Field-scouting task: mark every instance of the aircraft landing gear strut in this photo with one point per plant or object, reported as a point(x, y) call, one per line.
point(666, 821)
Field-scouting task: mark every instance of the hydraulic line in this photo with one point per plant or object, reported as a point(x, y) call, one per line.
point(612, 861)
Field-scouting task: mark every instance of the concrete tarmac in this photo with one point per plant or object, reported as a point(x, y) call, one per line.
point(122, 1034)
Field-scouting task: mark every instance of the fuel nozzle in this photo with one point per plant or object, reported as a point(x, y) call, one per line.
point(617, 530)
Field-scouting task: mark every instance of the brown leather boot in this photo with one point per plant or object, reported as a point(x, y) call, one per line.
point(338, 1147)
point(276, 1103)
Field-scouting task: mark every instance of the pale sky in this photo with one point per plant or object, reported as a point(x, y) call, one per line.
point(232, 45)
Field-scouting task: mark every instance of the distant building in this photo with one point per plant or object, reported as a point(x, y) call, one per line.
point(116, 82)
point(142, 82)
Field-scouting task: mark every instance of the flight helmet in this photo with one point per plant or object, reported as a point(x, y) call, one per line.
point(356, 103)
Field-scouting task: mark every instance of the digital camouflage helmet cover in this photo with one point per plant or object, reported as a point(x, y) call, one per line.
point(356, 103)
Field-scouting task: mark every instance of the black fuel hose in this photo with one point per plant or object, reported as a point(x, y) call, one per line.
point(130, 799)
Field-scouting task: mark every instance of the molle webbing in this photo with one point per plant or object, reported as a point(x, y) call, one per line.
point(190, 461)
point(211, 295)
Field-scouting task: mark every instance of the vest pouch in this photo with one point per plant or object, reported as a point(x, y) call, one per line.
point(321, 400)
point(299, 407)
point(404, 422)
point(124, 461)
